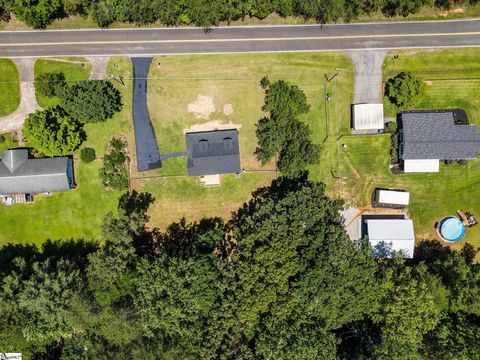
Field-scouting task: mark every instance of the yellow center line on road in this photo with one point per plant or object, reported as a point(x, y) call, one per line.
point(106, 42)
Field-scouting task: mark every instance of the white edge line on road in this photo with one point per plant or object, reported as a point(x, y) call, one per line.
point(240, 52)
point(245, 26)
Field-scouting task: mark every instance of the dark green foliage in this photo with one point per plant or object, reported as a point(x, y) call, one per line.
point(394, 146)
point(281, 133)
point(36, 13)
point(88, 154)
point(405, 90)
point(53, 133)
point(46, 84)
point(404, 7)
point(208, 13)
point(280, 280)
point(391, 127)
point(114, 172)
point(2, 139)
point(90, 101)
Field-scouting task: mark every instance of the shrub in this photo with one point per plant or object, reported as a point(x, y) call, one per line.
point(391, 127)
point(2, 139)
point(91, 100)
point(47, 84)
point(52, 132)
point(405, 90)
point(87, 154)
point(114, 172)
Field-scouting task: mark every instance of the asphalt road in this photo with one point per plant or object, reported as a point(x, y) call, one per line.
point(135, 42)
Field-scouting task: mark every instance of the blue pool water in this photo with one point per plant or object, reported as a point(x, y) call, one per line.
point(452, 229)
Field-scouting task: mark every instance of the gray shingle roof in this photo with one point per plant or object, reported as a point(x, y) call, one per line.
point(434, 135)
point(213, 152)
point(21, 175)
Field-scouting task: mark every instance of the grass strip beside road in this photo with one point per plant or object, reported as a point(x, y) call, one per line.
point(9, 87)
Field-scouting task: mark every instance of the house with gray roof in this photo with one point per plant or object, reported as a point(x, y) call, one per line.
point(20, 174)
point(213, 152)
point(428, 137)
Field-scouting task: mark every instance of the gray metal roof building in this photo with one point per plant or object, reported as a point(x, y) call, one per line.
point(21, 175)
point(213, 152)
point(434, 135)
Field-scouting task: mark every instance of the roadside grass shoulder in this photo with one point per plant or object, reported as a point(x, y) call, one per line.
point(9, 87)
point(75, 69)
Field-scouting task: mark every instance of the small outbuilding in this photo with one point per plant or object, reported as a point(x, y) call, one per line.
point(391, 198)
point(367, 117)
point(387, 236)
point(213, 153)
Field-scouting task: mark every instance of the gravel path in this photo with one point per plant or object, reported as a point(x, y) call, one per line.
point(99, 67)
point(28, 101)
point(368, 75)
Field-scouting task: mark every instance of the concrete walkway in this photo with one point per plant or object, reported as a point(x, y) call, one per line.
point(368, 64)
point(99, 67)
point(28, 101)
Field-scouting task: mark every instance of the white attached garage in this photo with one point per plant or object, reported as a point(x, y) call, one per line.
point(367, 116)
point(421, 165)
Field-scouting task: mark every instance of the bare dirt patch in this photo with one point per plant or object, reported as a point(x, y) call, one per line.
point(211, 126)
point(228, 109)
point(453, 11)
point(203, 107)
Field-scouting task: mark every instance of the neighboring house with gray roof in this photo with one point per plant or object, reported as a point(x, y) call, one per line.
point(20, 174)
point(428, 137)
point(213, 152)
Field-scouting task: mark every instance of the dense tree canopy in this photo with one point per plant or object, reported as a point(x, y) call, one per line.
point(281, 134)
point(46, 84)
point(90, 101)
point(280, 280)
point(405, 90)
point(52, 132)
point(206, 13)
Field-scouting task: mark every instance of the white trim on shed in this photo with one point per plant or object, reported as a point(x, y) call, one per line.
point(367, 116)
point(421, 165)
point(387, 235)
point(394, 197)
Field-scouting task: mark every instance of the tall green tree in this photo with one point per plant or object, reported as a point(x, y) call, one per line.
point(405, 90)
point(292, 255)
point(90, 101)
point(53, 133)
point(36, 13)
point(281, 133)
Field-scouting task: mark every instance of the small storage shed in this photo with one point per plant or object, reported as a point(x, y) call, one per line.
point(388, 235)
point(391, 198)
point(367, 117)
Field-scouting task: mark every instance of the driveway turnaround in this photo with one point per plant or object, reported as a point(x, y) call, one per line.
point(132, 42)
point(148, 156)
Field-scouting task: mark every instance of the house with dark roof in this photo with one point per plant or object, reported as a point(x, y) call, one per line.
point(211, 153)
point(428, 137)
point(20, 174)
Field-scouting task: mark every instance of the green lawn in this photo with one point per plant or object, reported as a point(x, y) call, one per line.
point(9, 87)
point(74, 214)
point(231, 82)
point(8, 142)
point(75, 69)
point(78, 213)
point(451, 77)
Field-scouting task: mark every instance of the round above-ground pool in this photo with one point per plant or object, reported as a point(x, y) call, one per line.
point(451, 229)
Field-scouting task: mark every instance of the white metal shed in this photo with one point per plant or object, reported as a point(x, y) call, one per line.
point(394, 197)
point(367, 116)
point(387, 235)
